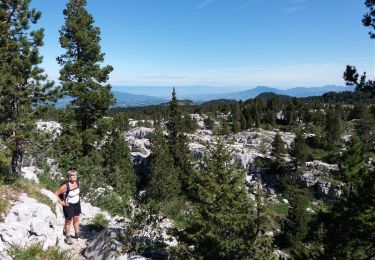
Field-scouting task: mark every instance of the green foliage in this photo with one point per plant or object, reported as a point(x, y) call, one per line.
point(100, 221)
point(299, 150)
point(177, 143)
point(333, 128)
point(36, 252)
point(164, 178)
point(119, 172)
point(278, 147)
point(22, 82)
point(81, 76)
point(112, 203)
point(4, 205)
point(33, 190)
point(295, 227)
point(350, 222)
point(190, 124)
point(221, 226)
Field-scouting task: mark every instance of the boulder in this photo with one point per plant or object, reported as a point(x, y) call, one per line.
point(107, 245)
point(29, 222)
point(141, 132)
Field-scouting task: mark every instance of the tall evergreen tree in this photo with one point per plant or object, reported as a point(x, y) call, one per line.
point(278, 147)
point(222, 226)
point(299, 150)
point(333, 128)
point(164, 183)
point(21, 79)
point(177, 142)
point(236, 118)
point(118, 165)
point(351, 222)
point(295, 227)
point(81, 76)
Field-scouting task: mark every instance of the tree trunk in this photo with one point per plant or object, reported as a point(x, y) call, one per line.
point(17, 156)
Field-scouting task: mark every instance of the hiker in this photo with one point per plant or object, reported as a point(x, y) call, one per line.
point(68, 197)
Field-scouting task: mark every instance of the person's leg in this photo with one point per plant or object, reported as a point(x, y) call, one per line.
point(67, 226)
point(76, 225)
point(68, 239)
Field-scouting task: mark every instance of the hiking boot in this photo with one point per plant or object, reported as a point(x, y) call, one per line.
point(68, 240)
point(78, 235)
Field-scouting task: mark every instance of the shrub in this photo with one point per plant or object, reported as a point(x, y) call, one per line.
point(36, 252)
point(100, 221)
point(112, 203)
point(4, 204)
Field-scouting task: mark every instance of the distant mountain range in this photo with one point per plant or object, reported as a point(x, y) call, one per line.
point(152, 95)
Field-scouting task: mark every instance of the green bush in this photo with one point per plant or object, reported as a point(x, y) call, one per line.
point(100, 222)
point(4, 204)
point(36, 252)
point(113, 203)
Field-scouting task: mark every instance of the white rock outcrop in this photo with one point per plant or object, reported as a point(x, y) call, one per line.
point(50, 127)
point(30, 173)
point(29, 222)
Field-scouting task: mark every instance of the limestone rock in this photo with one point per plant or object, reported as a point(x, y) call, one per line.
point(29, 222)
point(51, 127)
point(30, 173)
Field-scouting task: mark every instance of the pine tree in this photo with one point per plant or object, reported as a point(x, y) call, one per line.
point(236, 118)
point(177, 142)
point(299, 150)
point(350, 222)
point(333, 128)
point(222, 225)
point(278, 147)
point(295, 227)
point(21, 78)
point(118, 166)
point(81, 76)
point(352, 158)
point(164, 183)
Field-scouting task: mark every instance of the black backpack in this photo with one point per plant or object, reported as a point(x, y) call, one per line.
point(63, 195)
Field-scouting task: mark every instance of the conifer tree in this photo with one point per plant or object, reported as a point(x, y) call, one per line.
point(352, 158)
point(22, 82)
point(81, 76)
point(278, 147)
point(177, 142)
point(164, 183)
point(222, 226)
point(295, 228)
point(299, 150)
point(118, 165)
point(350, 222)
point(236, 118)
point(333, 128)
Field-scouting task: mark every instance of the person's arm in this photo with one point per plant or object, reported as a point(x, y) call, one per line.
point(61, 190)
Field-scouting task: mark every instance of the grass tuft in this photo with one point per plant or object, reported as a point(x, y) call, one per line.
point(36, 252)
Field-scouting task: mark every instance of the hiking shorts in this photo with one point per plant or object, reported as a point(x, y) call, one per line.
point(72, 210)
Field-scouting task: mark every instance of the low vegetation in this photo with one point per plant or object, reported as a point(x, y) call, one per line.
point(36, 252)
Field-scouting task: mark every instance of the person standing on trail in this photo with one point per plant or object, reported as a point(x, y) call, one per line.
point(68, 197)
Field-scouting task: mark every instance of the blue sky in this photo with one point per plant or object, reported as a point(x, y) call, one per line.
point(281, 43)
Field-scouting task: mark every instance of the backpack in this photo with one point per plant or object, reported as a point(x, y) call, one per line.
point(63, 196)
